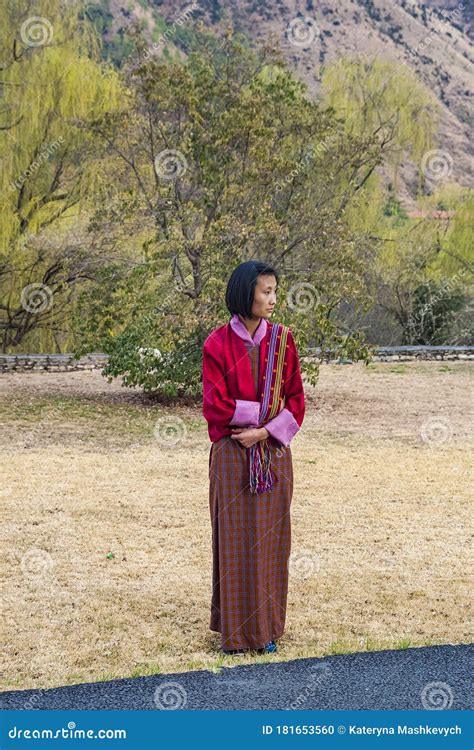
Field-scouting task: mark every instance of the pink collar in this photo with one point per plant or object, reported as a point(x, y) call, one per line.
point(241, 330)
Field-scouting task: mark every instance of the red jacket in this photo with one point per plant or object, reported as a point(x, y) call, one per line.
point(227, 379)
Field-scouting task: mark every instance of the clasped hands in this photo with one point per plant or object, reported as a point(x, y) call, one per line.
point(248, 436)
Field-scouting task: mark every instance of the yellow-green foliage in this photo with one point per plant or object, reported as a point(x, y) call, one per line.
point(373, 95)
point(456, 256)
point(50, 91)
point(46, 91)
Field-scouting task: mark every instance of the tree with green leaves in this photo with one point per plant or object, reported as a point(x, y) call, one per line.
point(224, 157)
point(50, 79)
point(423, 276)
point(375, 95)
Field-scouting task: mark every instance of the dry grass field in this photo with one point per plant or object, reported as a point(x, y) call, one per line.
point(106, 546)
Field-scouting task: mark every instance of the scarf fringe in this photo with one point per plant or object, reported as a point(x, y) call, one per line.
point(261, 477)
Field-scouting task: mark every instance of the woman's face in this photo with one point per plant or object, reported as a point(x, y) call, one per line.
point(265, 296)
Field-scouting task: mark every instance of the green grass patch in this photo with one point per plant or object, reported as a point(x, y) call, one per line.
point(403, 644)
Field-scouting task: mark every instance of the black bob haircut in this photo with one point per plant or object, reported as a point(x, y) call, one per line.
point(241, 286)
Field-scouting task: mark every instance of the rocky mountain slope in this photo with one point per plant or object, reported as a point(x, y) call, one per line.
point(435, 41)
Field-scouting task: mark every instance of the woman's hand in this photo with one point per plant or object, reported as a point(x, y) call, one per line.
point(248, 436)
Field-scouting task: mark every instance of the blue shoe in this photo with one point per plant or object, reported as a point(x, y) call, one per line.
point(270, 648)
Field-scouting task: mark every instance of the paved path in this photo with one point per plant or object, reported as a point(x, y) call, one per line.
point(438, 677)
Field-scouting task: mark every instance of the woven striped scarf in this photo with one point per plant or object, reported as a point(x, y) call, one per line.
point(261, 477)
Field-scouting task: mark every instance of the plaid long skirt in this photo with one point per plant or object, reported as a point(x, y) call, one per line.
point(251, 544)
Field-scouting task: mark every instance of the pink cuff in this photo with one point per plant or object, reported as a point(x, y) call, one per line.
point(283, 427)
point(246, 413)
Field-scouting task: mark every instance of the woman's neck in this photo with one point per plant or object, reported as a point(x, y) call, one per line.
point(251, 324)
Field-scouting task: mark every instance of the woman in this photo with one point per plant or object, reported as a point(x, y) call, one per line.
point(250, 367)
